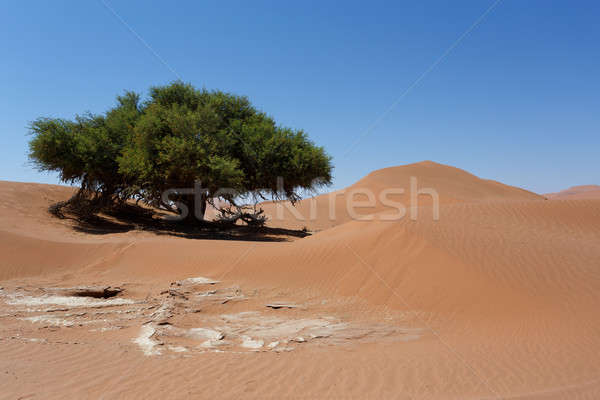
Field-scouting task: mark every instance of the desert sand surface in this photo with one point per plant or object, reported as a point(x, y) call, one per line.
point(576, 192)
point(452, 184)
point(496, 298)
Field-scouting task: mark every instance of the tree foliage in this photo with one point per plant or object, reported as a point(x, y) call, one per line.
point(180, 136)
point(86, 150)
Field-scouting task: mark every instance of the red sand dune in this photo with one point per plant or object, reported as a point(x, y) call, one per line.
point(451, 184)
point(496, 299)
point(576, 192)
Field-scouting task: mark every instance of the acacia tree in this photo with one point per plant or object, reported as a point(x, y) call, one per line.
point(181, 137)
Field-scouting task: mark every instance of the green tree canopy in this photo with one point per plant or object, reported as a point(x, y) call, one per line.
point(86, 150)
point(178, 137)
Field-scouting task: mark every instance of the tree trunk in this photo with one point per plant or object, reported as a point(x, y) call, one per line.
point(196, 205)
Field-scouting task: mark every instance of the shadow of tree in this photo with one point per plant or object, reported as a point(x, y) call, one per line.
point(132, 217)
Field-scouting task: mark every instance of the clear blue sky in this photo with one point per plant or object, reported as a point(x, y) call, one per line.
point(517, 100)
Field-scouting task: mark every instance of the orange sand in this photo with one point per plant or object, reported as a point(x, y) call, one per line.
point(496, 299)
point(577, 192)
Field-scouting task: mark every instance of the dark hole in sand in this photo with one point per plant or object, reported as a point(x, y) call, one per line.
point(96, 292)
